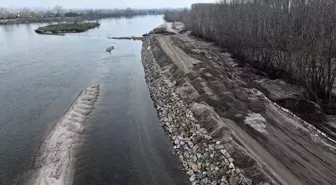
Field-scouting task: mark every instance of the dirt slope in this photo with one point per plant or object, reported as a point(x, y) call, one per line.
point(287, 148)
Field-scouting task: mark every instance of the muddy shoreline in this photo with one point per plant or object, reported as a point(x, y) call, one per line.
point(222, 98)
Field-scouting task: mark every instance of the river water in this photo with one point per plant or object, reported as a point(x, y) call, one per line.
point(41, 75)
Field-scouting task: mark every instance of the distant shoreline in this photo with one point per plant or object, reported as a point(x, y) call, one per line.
point(58, 19)
point(36, 20)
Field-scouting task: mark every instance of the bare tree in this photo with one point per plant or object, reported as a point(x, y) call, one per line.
point(25, 12)
point(4, 13)
point(292, 39)
point(58, 9)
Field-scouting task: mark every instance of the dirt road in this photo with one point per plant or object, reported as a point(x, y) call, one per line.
point(285, 147)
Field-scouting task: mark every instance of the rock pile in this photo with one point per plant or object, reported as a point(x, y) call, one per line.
point(204, 159)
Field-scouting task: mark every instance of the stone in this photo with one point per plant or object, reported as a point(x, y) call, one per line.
point(200, 176)
point(208, 137)
point(244, 181)
point(199, 156)
point(227, 155)
point(190, 172)
point(206, 154)
point(186, 154)
point(195, 183)
point(192, 178)
point(194, 158)
point(223, 151)
point(231, 166)
point(205, 181)
point(195, 168)
point(193, 130)
point(226, 161)
point(203, 131)
point(230, 160)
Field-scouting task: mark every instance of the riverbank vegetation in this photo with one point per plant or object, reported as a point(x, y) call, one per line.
point(66, 28)
point(60, 14)
point(290, 39)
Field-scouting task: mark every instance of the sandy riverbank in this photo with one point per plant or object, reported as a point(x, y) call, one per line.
point(54, 163)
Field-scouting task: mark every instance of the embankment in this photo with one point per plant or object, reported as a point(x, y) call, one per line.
point(54, 162)
point(225, 130)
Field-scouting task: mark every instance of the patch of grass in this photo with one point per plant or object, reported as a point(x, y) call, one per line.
point(66, 28)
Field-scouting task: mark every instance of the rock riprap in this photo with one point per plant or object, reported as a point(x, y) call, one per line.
point(204, 159)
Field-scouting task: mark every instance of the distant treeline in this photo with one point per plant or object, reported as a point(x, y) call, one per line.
point(59, 11)
point(175, 15)
point(290, 39)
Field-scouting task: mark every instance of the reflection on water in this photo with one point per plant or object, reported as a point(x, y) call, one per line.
point(41, 75)
point(8, 28)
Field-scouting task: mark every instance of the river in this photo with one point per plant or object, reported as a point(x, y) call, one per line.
point(41, 75)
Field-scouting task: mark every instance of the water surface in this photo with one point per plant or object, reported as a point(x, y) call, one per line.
point(41, 75)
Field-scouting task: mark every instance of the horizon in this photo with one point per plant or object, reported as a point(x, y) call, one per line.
point(99, 4)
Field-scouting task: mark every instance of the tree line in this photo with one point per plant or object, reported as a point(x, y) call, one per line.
point(290, 39)
point(59, 11)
